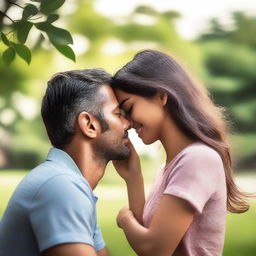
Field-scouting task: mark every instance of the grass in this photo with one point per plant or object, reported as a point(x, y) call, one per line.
point(240, 231)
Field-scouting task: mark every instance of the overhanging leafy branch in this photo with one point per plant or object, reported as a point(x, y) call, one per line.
point(15, 35)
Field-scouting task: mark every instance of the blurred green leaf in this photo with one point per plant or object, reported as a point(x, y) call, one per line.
point(52, 17)
point(39, 1)
point(44, 26)
point(8, 55)
point(144, 9)
point(66, 51)
point(171, 14)
point(5, 39)
point(49, 6)
point(59, 36)
point(29, 10)
point(56, 35)
point(23, 28)
point(23, 51)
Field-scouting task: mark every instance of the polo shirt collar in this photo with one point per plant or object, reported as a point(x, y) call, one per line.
point(61, 157)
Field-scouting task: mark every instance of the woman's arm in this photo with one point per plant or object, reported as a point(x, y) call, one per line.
point(169, 224)
point(130, 171)
point(136, 196)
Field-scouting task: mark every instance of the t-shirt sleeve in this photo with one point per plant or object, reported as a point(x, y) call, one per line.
point(194, 177)
point(62, 212)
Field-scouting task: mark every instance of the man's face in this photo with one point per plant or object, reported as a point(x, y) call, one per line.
point(112, 143)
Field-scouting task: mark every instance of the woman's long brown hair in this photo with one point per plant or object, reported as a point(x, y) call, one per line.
point(189, 105)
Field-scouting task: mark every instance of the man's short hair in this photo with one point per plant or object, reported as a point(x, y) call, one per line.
point(67, 95)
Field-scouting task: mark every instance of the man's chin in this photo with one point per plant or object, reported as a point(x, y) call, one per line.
point(124, 154)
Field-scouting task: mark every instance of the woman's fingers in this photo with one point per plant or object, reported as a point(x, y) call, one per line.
point(124, 213)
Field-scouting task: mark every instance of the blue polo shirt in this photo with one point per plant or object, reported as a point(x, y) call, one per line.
point(53, 204)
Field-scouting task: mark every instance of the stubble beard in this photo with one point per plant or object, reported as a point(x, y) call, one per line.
point(108, 149)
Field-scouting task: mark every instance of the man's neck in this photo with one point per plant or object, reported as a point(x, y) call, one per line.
point(91, 167)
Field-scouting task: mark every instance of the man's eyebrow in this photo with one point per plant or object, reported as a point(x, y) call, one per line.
point(122, 103)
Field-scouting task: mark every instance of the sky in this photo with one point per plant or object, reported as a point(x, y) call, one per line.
point(195, 13)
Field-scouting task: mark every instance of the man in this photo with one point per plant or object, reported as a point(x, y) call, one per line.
point(52, 211)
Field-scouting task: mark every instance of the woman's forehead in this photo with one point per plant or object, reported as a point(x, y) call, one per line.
point(121, 95)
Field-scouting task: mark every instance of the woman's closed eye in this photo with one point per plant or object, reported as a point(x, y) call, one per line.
point(129, 110)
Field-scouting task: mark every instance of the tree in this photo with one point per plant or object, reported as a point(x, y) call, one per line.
point(38, 14)
point(230, 60)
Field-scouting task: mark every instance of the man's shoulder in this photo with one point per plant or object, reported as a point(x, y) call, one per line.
point(50, 176)
point(62, 186)
point(41, 174)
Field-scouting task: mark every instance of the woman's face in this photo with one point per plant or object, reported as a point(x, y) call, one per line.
point(145, 114)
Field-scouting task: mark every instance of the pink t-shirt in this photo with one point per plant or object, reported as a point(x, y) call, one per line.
point(196, 175)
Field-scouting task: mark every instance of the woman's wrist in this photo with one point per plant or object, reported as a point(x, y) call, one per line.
point(134, 178)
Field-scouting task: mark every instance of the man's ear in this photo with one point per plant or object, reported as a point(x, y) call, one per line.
point(89, 125)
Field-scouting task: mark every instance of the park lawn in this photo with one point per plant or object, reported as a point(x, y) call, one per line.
point(240, 233)
point(239, 239)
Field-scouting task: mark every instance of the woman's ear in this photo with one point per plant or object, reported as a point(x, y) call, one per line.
point(89, 125)
point(163, 98)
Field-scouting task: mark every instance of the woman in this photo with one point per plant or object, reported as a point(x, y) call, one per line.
point(185, 213)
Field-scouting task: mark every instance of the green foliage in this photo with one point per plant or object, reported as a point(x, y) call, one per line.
point(30, 10)
point(5, 39)
point(23, 51)
point(232, 79)
point(243, 32)
point(243, 146)
point(144, 9)
point(56, 35)
point(49, 6)
point(226, 59)
point(159, 34)
point(228, 66)
point(52, 17)
point(8, 55)
point(66, 51)
point(22, 153)
point(230, 60)
point(22, 27)
point(90, 23)
point(11, 79)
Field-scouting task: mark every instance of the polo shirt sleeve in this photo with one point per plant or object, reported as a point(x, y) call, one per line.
point(62, 212)
point(99, 243)
point(194, 177)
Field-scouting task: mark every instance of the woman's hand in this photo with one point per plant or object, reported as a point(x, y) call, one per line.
point(168, 226)
point(129, 167)
point(130, 171)
point(124, 214)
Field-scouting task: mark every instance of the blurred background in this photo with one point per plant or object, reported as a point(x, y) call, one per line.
point(215, 41)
